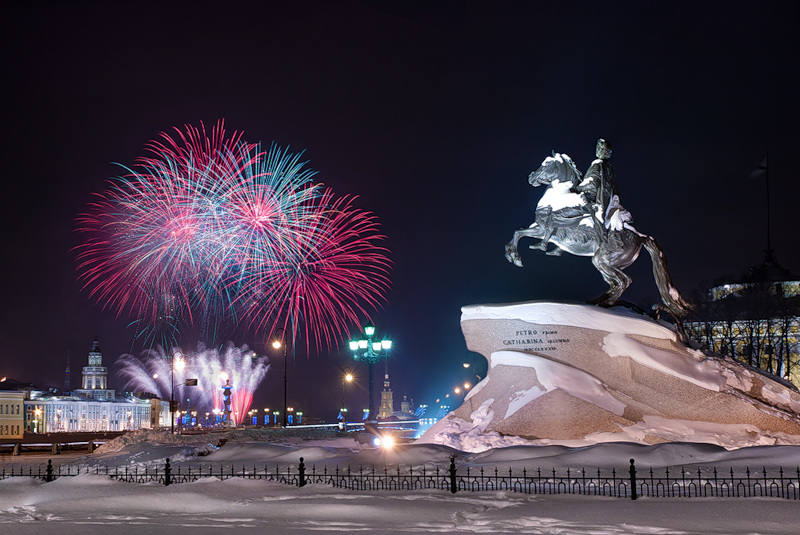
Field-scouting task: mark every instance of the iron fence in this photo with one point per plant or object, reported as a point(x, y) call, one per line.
point(685, 484)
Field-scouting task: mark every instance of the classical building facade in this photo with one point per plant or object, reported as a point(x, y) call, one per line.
point(12, 414)
point(54, 414)
point(93, 407)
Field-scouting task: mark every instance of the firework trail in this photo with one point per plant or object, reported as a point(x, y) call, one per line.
point(150, 372)
point(207, 231)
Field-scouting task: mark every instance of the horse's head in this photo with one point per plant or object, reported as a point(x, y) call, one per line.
point(556, 167)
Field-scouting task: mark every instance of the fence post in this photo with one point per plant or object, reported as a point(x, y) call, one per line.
point(453, 486)
point(48, 475)
point(301, 470)
point(167, 474)
point(633, 481)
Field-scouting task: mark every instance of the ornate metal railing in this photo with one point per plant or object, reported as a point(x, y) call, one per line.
point(685, 484)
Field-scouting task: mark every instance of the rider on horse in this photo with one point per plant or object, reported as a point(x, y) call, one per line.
point(584, 217)
point(600, 191)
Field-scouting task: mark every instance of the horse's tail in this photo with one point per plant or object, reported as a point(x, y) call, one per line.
point(676, 305)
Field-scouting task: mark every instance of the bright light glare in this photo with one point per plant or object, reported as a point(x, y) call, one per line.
point(466, 386)
point(223, 376)
point(348, 377)
point(179, 364)
point(466, 364)
point(376, 441)
point(155, 376)
point(388, 442)
point(276, 344)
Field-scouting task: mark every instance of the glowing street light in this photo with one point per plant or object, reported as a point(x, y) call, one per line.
point(277, 343)
point(172, 405)
point(176, 362)
point(347, 377)
point(370, 351)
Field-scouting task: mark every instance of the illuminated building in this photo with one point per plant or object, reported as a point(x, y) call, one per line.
point(387, 397)
point(12, 415)
point(93, 407)
point(755, 321)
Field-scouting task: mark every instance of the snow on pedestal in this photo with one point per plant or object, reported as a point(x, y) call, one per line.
point(578, 374)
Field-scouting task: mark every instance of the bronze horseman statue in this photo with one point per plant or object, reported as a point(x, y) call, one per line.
point(582, 215)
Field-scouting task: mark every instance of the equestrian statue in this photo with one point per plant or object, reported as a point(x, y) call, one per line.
point(582, 215)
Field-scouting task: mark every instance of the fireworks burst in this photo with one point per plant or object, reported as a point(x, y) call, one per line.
point(207, 231)
point(151, 372)
point(319, 287)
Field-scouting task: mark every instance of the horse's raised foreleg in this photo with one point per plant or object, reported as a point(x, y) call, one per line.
point(544, 219)
point(512, 253)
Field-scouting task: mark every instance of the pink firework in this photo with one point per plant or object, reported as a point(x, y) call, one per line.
point(334, 268)
point(213, 229)
point(150, 248)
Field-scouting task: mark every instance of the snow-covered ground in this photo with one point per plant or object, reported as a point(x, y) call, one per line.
point(97, 504)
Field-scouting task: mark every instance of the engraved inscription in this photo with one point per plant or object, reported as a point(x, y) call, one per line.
point(533, 340)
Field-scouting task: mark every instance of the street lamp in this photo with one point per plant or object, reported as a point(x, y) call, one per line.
point(370, 351)
point(172, 405)
point(347, 377)
point(277, 343)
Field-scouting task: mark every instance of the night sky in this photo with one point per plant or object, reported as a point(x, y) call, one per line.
point(433, 117)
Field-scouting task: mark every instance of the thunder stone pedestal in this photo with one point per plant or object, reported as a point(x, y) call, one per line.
point(563, 372)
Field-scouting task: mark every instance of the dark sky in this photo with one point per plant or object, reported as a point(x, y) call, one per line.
point(433, 116)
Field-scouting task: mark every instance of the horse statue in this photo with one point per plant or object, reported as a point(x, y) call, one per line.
point(565, 219)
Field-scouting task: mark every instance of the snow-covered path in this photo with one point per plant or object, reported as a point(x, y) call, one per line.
point(96, 504)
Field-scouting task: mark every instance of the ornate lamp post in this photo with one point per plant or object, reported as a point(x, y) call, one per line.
point(370, 351)
point(277, 344)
